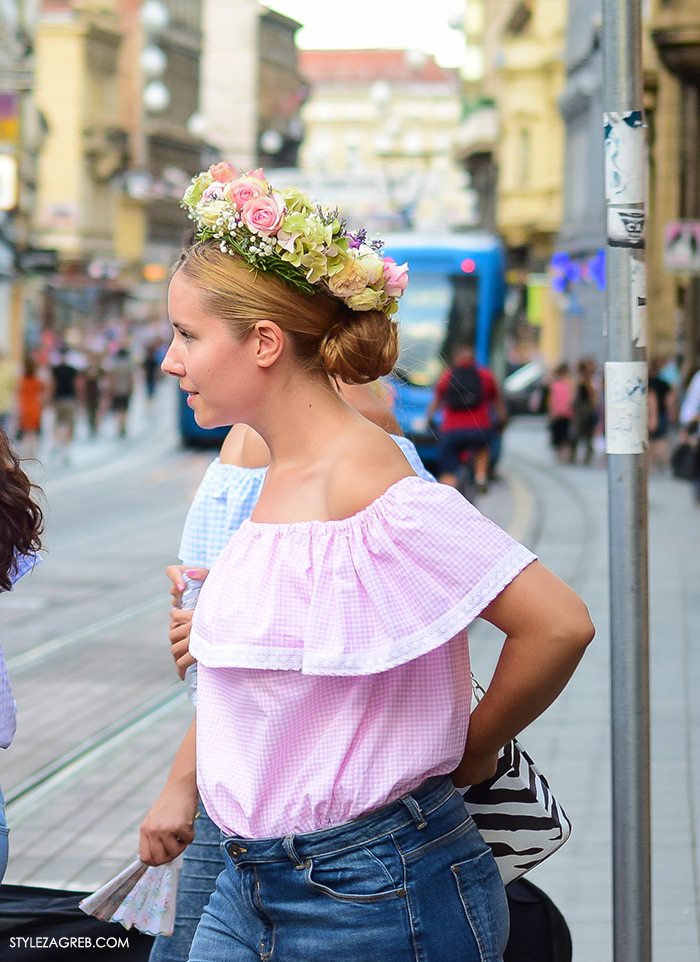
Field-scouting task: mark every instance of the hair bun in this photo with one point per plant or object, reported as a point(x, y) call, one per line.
point(361, 347)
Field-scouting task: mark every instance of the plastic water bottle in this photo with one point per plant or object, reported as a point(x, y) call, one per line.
point(189, 600)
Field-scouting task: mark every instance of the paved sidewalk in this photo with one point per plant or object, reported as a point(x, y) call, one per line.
point(567, 525)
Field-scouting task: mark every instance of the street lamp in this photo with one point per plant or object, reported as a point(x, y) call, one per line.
point(156, 96)
point(154, 18)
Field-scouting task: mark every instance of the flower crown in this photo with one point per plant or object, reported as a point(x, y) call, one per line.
point(304, 244)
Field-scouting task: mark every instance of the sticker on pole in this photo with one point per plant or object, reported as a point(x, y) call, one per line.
point(638, 300)
point(625, 148)
point(625, 151)
point(626, 417)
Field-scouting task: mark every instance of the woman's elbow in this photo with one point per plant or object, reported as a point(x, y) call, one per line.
point(577, 630)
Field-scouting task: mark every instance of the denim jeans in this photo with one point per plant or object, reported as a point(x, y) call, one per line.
point(3, 837)
point(203, 861)
point(412, 882)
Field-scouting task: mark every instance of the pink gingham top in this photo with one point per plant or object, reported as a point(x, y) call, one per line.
point(333, 657)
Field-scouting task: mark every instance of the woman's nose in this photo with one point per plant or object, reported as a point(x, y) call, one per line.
point(170, 364)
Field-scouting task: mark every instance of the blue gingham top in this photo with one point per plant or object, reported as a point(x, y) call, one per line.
point(8, 706)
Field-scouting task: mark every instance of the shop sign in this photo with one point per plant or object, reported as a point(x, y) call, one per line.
point(35, 260)
point(682, 246)
point(8, 182)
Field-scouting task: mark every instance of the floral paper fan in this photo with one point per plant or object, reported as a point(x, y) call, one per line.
point(142, 896)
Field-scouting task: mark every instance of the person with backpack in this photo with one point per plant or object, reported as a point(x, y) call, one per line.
point(468, 396)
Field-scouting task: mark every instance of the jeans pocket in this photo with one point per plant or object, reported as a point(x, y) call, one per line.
point(368, 873)
point(483, 897)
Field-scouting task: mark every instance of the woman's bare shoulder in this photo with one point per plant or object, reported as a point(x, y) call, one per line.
point(245, 448)
point(363, 472)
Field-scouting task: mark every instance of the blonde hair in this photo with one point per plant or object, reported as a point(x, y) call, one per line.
point(353, 346)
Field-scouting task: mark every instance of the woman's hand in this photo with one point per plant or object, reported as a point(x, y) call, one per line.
point(181, 618)
point(474, 768)
point(179, 635)
point(175, 573)
point(168, 828)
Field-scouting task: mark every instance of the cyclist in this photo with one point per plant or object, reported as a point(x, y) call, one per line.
point(471, 404)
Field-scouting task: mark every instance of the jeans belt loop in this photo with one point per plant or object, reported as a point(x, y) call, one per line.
point(288, 846)
point(414, 810)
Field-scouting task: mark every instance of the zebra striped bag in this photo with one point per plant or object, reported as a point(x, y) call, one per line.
point(516, 812)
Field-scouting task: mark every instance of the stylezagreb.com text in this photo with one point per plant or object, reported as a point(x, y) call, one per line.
point(69, 942)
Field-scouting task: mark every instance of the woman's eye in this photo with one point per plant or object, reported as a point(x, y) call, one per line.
point(185, 335)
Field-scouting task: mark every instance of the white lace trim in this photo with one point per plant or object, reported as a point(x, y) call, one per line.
point(395, 652)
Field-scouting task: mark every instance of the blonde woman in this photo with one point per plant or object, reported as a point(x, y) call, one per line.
point(333, 704)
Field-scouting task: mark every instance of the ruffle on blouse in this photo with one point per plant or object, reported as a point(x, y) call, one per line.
point(355, 596)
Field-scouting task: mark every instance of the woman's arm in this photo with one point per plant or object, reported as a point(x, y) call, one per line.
point(547, 629)
point(168, 828)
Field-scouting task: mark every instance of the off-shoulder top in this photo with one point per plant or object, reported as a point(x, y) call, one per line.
point(333, 658)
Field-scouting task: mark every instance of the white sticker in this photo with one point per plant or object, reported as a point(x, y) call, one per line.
point(626, 416)
point(638, 301)
point(625, 146)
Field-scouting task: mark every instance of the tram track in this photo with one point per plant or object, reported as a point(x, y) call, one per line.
point(62, 643)
point(26, 796)
point(529, 471)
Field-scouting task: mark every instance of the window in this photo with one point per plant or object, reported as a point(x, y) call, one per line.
point(523, 158)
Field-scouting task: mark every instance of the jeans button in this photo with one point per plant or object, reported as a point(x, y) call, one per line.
point(235, 851)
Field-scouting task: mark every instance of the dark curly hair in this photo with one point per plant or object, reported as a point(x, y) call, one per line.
point(21, 518)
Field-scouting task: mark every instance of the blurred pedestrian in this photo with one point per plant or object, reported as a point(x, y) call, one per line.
point(121, 386)
point(334, 700)
point(31, 392)
point(661, 402)
point(151, 369)
point(66, 388)
point(689, 419)
point(560, 411)
point(21, 523)
point(467, 395)
point(8, 385)
point(94, 392)
point(584, 411)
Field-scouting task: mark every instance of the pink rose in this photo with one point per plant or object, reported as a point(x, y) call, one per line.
point(258, 174)
point(263, 215)
point(246, 188)
point(223, 172)
point(395, 277)
point(214, 191)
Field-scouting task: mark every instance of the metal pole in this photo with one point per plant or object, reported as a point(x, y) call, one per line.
point(626, 440)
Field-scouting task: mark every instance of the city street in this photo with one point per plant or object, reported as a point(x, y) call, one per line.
point(101, 710)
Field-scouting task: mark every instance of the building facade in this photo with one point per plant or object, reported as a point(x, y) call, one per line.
point(675, 174)
point(77, 91)
point(252, 88)
point(583, 231)
point(511, 143)
point(671, 74)
point(379, 137)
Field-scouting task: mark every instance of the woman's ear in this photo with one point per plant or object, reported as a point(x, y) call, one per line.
point(269, 343)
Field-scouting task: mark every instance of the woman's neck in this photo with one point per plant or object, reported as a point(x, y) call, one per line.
point(301, 423)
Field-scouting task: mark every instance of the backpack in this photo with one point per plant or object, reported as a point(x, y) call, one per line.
point(465, 389)
point(538, 930)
